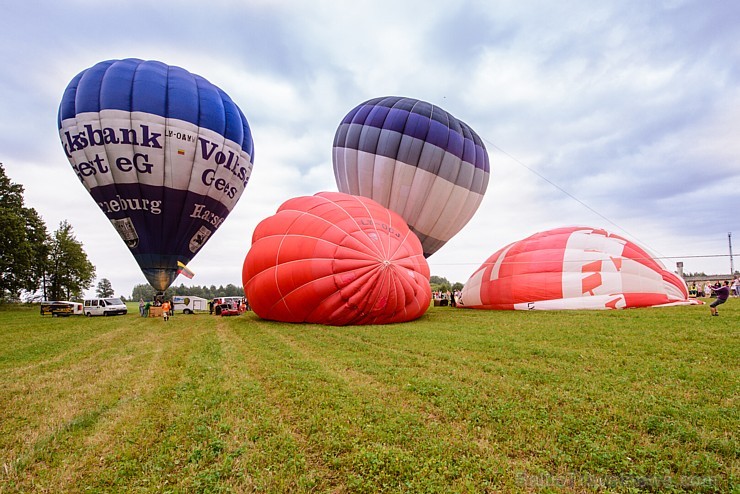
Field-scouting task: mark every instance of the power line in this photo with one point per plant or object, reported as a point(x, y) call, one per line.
point(656, 258)
point(579, 201)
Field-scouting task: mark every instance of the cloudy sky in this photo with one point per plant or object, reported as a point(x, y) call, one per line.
point(623, 115)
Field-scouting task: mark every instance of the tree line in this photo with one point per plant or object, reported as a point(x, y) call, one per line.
point(32, 261)
point(441, 284)
point(146, 292)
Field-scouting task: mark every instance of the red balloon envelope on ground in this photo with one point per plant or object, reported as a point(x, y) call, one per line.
point(336, 259)
point(573, 268)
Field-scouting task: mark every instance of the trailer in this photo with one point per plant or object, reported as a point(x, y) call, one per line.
point(189, 304)
point(61, 308)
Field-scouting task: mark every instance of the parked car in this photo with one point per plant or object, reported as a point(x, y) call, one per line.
point(227, 310)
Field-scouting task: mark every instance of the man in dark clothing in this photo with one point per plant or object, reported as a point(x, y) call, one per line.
point(722, 292)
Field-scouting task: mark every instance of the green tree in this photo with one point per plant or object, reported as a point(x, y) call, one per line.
point(40, 242)
point(146, 292)
point(197, 291)
point(439, 284)
point(23, 242)
point(143, 291)
point(104, 288)
point(234, 291)
point(69, 270)
point(438, 280)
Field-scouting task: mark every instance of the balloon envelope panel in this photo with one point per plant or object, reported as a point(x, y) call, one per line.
point(572, 268)
point(336, 259)
point(415, 159)
point(164, 153)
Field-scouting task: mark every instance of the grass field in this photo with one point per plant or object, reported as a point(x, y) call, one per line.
point(458, 401)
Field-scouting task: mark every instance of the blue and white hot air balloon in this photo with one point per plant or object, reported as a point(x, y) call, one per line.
point(164, 153)
point(415, 159)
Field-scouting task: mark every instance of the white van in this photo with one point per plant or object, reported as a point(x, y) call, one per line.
point(189, 304)
point(104, 307)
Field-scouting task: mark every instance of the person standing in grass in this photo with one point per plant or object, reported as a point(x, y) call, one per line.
point(141, 307)
point(722, 292)
point(166, 310)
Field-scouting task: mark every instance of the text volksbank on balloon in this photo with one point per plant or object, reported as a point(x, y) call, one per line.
point(144, 137)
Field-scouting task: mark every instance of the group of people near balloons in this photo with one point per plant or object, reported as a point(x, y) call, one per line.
point(706, 289)
point(165, 305)
point(449, 297)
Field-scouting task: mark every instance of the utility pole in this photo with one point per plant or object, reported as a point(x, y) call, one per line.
point(732, 261)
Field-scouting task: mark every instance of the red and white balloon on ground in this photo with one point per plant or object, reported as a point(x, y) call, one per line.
point(336, 259)
point(573, 268)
